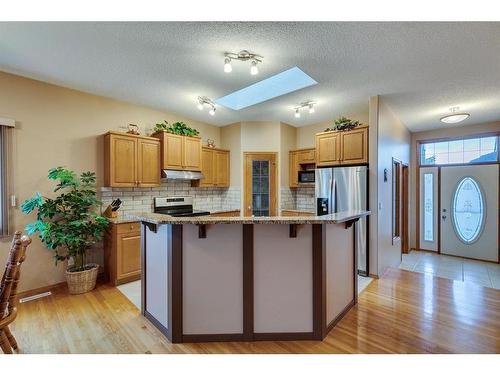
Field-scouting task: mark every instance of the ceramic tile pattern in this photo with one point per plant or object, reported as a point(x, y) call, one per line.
point(454, 268)
point(301, 199)
point(141, 199)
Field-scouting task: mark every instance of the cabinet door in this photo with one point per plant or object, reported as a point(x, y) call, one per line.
point(122, 161)
point(354, 146)
point(172, 151)
point(148, 163)
point(207, 167)
point(293, 169)
point(306, 156)
point(192, 154)
point(222, 168)
point(327, 149)
point(128, 254)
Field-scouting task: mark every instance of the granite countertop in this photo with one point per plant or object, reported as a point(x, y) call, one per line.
point(336, 218)
point(224, 211)
point(122, 219)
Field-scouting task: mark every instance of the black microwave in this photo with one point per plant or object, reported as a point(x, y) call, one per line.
point(306, 177)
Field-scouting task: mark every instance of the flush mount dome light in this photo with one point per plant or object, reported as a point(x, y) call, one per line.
point(455, 117)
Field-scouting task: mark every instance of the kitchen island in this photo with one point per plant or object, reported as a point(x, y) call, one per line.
point(248, 278)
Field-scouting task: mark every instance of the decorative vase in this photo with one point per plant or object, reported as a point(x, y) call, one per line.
point(82, 281)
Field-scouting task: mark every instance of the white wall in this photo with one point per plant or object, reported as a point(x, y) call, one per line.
point(393, 141)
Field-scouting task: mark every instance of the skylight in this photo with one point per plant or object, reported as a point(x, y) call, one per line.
point(280, 84)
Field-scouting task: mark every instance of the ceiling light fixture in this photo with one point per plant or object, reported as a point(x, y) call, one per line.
point(227, 65)
point(308, 104)
point(455, 117)
point(243, 55)
point(205, 101)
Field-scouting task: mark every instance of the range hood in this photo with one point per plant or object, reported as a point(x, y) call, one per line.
point(182, 175)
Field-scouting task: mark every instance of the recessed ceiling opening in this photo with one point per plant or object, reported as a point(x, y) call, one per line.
point(280, 84)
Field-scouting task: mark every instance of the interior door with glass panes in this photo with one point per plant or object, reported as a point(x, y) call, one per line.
point(469, 211)
point(260, 184)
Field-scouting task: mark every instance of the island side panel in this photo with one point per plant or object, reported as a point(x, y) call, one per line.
point(340, 270)
point(156, 273)
point(212, 274)
point(283, 280)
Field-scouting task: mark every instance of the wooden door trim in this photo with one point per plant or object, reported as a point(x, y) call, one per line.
point(273, 197)
point(405, 214)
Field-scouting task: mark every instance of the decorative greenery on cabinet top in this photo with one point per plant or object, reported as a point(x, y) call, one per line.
point(343, 124)
point(179, 128)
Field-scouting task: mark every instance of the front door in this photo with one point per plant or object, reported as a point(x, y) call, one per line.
point(260, 184)
point(469, 211)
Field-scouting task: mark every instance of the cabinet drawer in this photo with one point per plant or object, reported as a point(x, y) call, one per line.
point(128, 227)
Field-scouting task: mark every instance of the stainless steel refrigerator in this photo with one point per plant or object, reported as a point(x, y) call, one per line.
point(345, 188)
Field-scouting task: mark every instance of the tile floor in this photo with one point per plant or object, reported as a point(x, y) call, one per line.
point(465, 270)
point(133, 290)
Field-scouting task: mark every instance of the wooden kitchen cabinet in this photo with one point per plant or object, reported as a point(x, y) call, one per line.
point(354, 146)
point(302, 159)
point(342, 147)
point(179, 152)
point(131, 160)
point(122, 252)
point(214, 167)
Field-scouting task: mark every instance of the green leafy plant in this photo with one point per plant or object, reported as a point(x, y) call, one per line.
point(68, 224)
point(343, 124)
point(178, 127)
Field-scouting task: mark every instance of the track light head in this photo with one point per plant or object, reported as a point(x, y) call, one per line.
point(253, 69)
point(227, 65)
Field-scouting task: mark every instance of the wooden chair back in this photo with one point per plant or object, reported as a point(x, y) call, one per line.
point(10, 278)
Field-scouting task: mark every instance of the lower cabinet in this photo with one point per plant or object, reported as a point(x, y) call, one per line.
point(122, 252)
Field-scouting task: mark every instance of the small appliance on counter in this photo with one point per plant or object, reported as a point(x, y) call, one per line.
point(176, 206)
point(112, 210)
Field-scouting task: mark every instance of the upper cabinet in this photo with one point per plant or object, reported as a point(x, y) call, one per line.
point(131, 160)
point(300, 160)
point(342, 147)
point(179, 152)
point(215, 168)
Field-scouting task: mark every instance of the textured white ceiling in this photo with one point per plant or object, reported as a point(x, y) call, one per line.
point(421, 69)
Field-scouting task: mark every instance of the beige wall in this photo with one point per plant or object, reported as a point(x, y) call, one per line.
point(288, 139)
point(231, 140)
point(446, 131)
point(306, 134)
point(393, 141)
point(58, 126)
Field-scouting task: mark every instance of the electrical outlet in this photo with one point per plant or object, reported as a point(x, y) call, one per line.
point(13, 200)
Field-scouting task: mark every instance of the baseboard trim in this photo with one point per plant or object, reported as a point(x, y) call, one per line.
point(217, 337)
point(339, 317)
point(283, 336)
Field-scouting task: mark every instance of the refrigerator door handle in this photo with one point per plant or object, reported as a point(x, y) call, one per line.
point(333, 196)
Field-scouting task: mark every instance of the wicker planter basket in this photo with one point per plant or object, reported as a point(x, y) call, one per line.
point(83, 281)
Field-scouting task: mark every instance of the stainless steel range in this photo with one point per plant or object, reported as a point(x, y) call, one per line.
point(176, 206)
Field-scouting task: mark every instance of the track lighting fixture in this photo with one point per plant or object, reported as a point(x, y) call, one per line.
point(243, 55)
point(204, 101)
point(309, 104)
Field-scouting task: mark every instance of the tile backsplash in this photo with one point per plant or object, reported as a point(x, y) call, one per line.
point(141, 199)
point(301, 198)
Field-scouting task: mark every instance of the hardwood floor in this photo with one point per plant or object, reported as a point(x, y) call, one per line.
point(403, 312)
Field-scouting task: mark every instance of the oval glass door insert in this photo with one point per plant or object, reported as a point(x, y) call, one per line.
point(468, 210)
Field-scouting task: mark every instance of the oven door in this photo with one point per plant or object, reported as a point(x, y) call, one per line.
point(306, 177)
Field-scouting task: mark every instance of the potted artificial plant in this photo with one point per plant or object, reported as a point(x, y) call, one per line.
point(69, 225)
point(179, 128)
